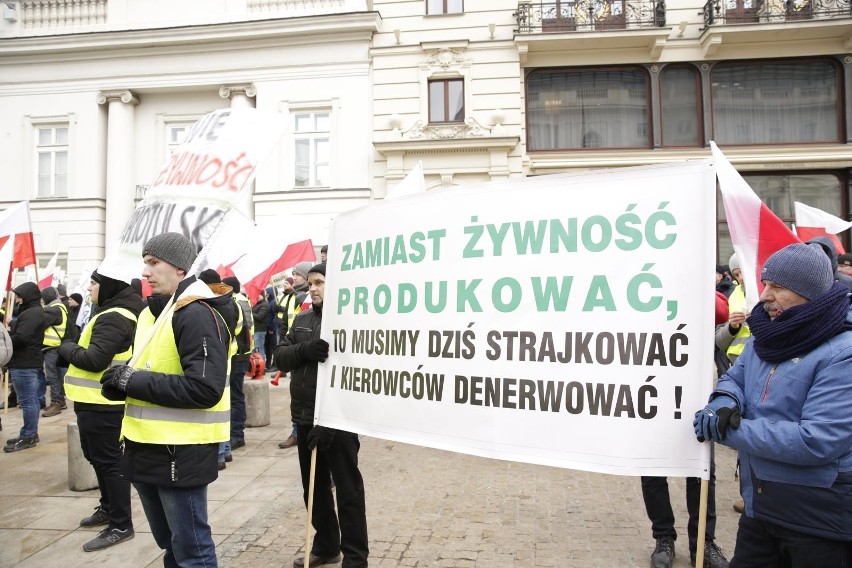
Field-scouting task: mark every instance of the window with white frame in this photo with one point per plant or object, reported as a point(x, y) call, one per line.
point(444, 6)
point(312, 142)
point(175, 135)
point(52, 160)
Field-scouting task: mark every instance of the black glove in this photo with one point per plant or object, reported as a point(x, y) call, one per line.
point(728, 418)
point(320, 436)
point(314, 350)
point(115, 381)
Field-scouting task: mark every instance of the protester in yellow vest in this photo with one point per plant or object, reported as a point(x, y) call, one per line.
point(733, 336)
point(106, 340)
point(177, 399)
point(56, 316)
point(239, 366)
point(293, 305)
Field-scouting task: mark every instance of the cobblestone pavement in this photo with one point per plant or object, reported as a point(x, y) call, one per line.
point(425, 508)
point(431, 508)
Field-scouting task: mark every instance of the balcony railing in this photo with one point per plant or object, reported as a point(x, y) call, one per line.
point(62, 13)
point(725, 12)
point(589, 15)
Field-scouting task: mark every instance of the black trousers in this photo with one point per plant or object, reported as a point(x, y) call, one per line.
point(340, 461)
point(764, 545)
point(269, 343)
point(658, 506)
point(99, 439)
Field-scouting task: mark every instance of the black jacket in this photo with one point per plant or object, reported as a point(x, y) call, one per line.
point(204, 377)
point(245, 336)
point(112, 334)
point(27, 330)
point(260, 312)
point(303, 373)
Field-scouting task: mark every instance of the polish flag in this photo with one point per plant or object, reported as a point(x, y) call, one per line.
point(15, 225)
point(756, 232)
point(255, 252)
point(48, 273)
point(812, 222)
point(293, 254)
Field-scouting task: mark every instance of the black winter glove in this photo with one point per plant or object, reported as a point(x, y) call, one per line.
point(320, 437)
point(314, 350)
point(728, 418)
point(115, 381)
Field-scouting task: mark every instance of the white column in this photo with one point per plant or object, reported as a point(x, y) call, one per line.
point(242, 96)
point(120, 188)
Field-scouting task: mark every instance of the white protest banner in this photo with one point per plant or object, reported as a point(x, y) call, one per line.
point(560, 320)
point(199, 182)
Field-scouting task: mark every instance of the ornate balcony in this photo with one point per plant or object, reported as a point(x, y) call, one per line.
point(727, 12)
point(45, 17)
point(589, 15)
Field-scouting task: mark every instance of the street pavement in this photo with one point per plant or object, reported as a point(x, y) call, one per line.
point(425, 508)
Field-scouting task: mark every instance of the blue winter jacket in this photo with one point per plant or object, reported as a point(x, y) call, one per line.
point(795, 439)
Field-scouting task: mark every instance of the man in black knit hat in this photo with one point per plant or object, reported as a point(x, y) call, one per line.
point(337, 451)
point(177, 404)
point(106, 340)
point(785, 406)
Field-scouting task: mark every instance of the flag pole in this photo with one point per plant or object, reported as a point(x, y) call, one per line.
point(702, 522)
point(310, 507)
point(5, 371)
point(30, 221)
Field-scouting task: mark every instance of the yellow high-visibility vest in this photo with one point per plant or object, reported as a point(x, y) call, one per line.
point(290, 308)
point(85, 386)
point(53, 335)
point(151, 423)
point(736, 303)
point(242, 302)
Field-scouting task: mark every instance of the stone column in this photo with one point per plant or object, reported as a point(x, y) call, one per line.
point(242, 96)
point(120, 187)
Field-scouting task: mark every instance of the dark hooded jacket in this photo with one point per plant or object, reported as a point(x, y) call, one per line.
point(113, 334)
point(828, 246)
point(204, 377)
point(303, 373)
point(27, 330)
point(260, 312)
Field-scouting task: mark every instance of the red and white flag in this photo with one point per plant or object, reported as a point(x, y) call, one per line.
point(756, 232)
point(49, 273)
point(15, 225)
point(812, 222)
point(255, 252)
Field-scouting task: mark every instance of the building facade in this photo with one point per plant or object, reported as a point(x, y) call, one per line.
point(95, 93)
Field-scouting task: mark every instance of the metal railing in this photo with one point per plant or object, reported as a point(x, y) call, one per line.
point(589, 15)
point(726, 12)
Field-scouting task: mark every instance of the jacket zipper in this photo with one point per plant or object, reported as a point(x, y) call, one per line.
point(204, 364)
point(769, 380)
